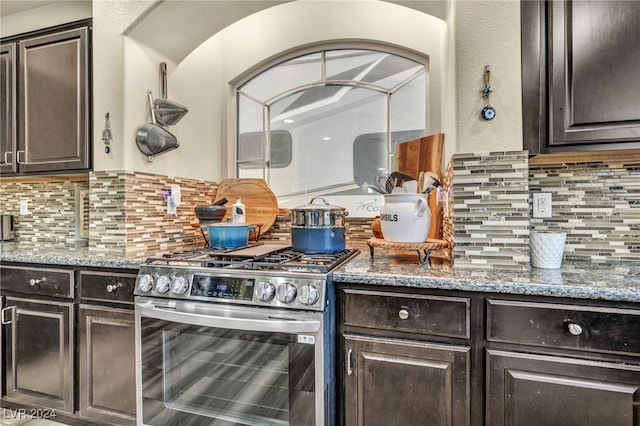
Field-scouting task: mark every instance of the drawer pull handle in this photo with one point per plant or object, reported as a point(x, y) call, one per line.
point(113, 287)
point(574, 329)
point(403, 313)
point(9, 309)
point(34, 281)
point(349, 364)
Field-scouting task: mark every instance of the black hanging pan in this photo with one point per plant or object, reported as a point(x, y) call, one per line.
point(168, 112)
point(153, 139)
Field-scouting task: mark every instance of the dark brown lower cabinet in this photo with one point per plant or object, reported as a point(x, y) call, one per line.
point(531, 390)
point(107, 364)
point(38, 353)
point(403, 382)
point(106, 347)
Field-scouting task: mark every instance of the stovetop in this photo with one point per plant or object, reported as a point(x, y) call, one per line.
point(262, 274)
point(262, 256)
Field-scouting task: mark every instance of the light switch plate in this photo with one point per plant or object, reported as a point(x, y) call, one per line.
point(542, 205)
point(171, 206)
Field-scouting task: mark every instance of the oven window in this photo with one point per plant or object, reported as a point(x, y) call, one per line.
point(225, 377)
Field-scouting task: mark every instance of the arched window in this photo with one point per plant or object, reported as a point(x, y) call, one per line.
point(324, 123)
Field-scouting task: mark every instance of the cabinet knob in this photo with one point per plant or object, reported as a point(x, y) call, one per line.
point(403, 313)
point(34, 281)
point(113, 287)
point(574, 329)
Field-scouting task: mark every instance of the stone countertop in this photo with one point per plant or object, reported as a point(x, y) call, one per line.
point(68, 256)
point(579, 280)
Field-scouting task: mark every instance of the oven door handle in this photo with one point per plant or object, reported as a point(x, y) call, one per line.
point(269, 324)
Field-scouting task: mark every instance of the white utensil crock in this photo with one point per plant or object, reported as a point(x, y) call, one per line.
point(547, 249)
point(405, 218)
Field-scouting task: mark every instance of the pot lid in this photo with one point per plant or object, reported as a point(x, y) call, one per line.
point(320, 205)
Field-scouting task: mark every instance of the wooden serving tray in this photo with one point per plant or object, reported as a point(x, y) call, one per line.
point(423, 249)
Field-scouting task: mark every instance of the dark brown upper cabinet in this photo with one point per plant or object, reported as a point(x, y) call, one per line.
point(580, 75)
point(8, 108)
point(46, 101)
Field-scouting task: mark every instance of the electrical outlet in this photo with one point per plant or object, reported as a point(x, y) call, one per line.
point(541, 204)
point(24, 206)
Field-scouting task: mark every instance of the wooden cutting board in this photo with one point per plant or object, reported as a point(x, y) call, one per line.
point(260, 202)
point(424, 154)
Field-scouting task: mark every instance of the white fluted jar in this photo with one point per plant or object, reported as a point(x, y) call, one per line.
point(547, 249)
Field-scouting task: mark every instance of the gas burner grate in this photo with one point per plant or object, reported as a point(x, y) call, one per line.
point(281, 258)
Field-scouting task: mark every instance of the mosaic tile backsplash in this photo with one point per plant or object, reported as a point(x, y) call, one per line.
point(57, 208)
point(129, 212)
point(490, 210)
point(597, 204)
point(486, 212)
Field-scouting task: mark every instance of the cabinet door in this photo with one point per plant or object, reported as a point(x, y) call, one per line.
point(533, 390)
point(397, 382)
point(595, 77)
point(107, 364)
point(39, 353)
point(8, 108)
point(54, 102)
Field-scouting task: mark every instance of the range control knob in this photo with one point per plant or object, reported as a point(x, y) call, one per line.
point(179, 285)
point(265, 291)
point(309, 294)
point(145, 283)
point(163, 283)
point(287, 292)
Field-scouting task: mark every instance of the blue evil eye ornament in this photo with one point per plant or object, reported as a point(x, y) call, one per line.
point(488, 113)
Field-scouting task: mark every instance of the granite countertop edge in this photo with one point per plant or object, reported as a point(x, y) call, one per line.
point(578, 280)
point(69, 256)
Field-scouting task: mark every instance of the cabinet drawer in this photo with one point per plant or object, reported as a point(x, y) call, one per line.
point(40, 281)
point(107, 286)
point(564, 326)
point(413, 313)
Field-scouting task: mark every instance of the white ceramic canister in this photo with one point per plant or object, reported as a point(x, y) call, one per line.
point(405, 218)
point(547, 249)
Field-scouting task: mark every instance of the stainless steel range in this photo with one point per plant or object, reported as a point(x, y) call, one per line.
point(237, 337)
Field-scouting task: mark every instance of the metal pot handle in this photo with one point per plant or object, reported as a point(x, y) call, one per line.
point(340, 213)
point(319, 198)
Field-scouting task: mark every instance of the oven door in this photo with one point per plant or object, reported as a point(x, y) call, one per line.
point(213, 364)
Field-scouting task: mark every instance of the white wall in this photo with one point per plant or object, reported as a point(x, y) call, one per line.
point(202, 80)
point(477, 32)
point(44, 16)
point(487, 32)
